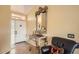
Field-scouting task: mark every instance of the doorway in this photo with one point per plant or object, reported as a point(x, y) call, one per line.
point(18, 31)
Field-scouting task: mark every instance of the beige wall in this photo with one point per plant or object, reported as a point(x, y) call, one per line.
point(31, 21)
point(63, 20)
point(4, 29)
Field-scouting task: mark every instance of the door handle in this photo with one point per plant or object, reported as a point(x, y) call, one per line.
point(15, 32)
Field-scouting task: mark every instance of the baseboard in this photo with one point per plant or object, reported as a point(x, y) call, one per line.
point(7, 52)
point(20, 42)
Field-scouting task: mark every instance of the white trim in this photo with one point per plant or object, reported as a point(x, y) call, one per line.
point(17, 16)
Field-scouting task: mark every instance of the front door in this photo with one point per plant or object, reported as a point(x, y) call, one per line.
point(20, 31)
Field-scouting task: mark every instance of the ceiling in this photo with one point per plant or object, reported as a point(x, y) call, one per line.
point(24, 9)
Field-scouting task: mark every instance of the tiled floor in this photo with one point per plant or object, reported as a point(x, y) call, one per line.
point(25, 48)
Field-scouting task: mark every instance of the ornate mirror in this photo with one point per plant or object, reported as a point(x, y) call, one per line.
point(41, 20)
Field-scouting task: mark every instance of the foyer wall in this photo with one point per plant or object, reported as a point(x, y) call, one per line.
point(5, 15)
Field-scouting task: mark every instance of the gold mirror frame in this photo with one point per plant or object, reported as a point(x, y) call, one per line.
point(42, 10)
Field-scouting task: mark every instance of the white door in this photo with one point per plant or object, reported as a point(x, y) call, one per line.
point(20, 31)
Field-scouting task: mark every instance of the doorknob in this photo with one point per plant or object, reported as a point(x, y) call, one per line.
point(15, 32)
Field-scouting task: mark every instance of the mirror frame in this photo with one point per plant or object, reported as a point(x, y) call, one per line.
point(37, 13)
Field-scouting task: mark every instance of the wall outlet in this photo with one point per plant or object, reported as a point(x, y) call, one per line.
point(70, 35)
